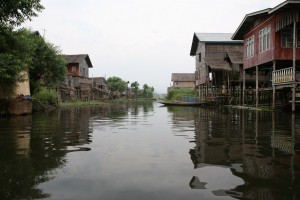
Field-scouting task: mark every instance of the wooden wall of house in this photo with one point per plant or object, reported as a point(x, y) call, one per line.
point(223, 48)
point(73, 69)
point(84, 69)
point(276, 52)
point(183, 84)
point(200, 60)
point(201, 73)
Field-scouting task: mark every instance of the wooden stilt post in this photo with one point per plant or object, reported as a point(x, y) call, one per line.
point(273, 86)
point(240, 94)
point(244, 86)
point(199, 93)
point(294, 67)
point(256, 87)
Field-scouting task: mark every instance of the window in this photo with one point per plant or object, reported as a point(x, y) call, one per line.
point(264, 39)
point(73, 69)
point(287, 38)
point(199, 55)
point(250, 47)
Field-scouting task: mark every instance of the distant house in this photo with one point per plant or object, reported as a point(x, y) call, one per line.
point(272, 47)
point(183, 80)
point(100, 88)
point(78, 84)
point(78, 65)
point(218, 61)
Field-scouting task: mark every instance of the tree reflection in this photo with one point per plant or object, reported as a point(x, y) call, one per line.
point(32, 147)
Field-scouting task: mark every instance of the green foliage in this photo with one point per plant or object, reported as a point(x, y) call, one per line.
point(177, 94)
point(116, 84)
point(25, 50)
point(48, 67)
point(147, 91)
point(15, 12)
point(16, 49)
point(47, 96)
point(135, 87)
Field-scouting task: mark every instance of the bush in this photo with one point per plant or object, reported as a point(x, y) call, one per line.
point(177, 94)
point(47, 97)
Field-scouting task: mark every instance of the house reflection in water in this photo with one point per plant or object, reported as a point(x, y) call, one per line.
point(259, 147)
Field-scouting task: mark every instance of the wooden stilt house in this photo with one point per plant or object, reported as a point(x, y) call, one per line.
point(183, 80)
point(77, 84)
point(218, 61)
point(272, 49)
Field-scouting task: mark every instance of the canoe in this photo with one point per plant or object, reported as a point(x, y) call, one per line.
point(181, 103)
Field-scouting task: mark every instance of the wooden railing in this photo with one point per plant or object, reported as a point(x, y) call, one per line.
point(283, 76)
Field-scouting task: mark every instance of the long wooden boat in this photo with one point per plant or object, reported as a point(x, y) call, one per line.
point(181, 103)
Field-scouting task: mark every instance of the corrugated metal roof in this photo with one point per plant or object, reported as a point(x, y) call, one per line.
point(217, 38)
point(214, 37)
point(183, 77)
point(78, 59)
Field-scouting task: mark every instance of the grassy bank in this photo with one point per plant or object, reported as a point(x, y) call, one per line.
point(101, 102)
point(177, 94)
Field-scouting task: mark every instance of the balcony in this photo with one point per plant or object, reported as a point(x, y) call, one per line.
point(283, 76)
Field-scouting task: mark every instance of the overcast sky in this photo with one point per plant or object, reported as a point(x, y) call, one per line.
point(139, 40)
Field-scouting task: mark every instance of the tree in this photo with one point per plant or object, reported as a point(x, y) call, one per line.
point(135, 87)
point(25, 50)
point(116, 84)
point(48, 66)
point(15, 56)
point(147, 91)
point(15, 12)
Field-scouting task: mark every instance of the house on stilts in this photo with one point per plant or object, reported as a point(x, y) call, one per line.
point(219, 64)
point(182, 80)
point(272, 51)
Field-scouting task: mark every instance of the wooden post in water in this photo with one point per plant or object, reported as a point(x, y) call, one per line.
point(240, 94)
point(256, 87)
point(273, 86)
point(244, 86)
point(294, 68)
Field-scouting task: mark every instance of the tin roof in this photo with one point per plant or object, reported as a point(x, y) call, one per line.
point(217, 38)
point(78, 59)
point(214, 37)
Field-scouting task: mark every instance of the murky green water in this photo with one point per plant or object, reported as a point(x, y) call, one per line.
point(145, 151)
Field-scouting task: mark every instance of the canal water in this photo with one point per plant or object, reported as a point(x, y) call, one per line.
point(149, 152)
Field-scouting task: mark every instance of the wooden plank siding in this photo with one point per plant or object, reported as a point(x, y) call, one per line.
point(276, 51)
point(279, 29)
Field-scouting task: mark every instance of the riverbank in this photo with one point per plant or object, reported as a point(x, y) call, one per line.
point(102, 102)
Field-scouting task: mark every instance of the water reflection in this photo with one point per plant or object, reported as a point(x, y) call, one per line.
point(33, 147)
point(261, 148)
point(143, 151)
